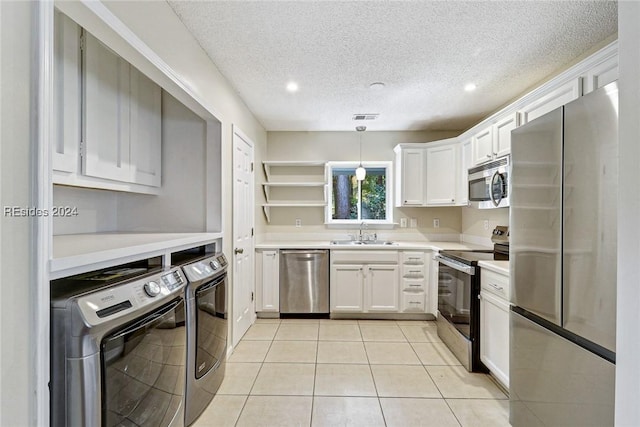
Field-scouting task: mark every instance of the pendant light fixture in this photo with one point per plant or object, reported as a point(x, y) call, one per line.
point(361, 172)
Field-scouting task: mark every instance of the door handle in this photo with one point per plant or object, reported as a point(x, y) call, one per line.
point(238, 251)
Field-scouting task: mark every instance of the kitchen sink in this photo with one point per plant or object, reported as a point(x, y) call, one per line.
point(362, 242)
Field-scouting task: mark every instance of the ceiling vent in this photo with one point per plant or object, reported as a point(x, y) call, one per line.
point(365, 116)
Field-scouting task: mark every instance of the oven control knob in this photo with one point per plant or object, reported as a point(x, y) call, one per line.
point(215, 264)
point(152, 288)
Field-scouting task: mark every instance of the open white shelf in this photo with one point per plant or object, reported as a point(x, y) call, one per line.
point(279, 181)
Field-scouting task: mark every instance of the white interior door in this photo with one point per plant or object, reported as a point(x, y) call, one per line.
point(244, 312)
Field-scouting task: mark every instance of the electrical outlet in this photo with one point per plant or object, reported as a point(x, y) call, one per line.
point(403, 222)
point(298, 222)
point(486, 224)
point(413, 222)
point(436, 223)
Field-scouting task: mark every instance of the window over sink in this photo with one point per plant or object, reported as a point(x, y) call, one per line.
point(352, 201)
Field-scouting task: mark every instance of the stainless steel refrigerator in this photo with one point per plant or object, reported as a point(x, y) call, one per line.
point(563, 264)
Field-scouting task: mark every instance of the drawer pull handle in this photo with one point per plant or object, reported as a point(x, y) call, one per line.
point(498, 288)
point(415, 302)
point(415, 286)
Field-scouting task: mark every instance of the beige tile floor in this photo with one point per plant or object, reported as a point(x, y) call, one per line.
point(351, 373)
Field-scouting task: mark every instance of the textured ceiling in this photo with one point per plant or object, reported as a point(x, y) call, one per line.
point(424, 51)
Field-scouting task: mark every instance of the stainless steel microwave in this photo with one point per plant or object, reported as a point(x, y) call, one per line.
point(489, 184)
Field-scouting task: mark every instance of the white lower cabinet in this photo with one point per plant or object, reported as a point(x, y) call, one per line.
point(381, 286)
point(415, 273)
point(268, 281)
point(494, 326)
point(432, 291)
point(364, 281)
point(347, 288)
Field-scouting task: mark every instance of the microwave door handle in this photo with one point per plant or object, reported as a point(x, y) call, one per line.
point(493, 200)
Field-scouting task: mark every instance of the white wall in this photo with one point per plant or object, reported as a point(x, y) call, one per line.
point(628, 315)
point(17, 172)
point(473, 221)
point(345, 146)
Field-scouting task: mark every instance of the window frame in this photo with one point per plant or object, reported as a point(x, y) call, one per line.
point(388, 166)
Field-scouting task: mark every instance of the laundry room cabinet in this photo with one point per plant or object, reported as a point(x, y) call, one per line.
point(108, 124)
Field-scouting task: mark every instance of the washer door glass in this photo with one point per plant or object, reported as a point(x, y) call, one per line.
point(143, 369)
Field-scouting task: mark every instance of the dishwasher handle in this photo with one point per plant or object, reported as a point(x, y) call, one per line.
point(303, 251)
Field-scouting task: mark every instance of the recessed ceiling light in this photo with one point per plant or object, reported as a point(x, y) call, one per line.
point(376, 85)
point(292, 87)
point(470, 87)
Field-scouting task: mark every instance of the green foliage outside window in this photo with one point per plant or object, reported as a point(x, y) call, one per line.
point(372, 191)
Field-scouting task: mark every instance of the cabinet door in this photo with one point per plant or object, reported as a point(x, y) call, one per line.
point(601, 75)
point(146, 145)
point(494, 336)
point(557, 98)
point(269, 294)
point(442, 173)
point(466, 161)
point(66, 94)
point(106, 113)
point(382, 285)
point(347, 293)
point(432, 294)
point(483, 146)
point(412, 302)
point(502, 135)
point(412, 177)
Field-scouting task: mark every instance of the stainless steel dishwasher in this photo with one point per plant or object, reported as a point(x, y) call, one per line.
point(304, 281)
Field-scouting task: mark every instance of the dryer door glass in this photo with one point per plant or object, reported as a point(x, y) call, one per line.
point(143, 367)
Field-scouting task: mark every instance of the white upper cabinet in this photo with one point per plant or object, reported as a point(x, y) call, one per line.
point(108, 127)
point(145, 140)
point(106, 111)
point(442, 174)
point(502, 135)
point(495, 140)
point(600, 75)
point(66, 94)
point(552, 100)
point(483, 146)
point(410, 175)
point(466, 161)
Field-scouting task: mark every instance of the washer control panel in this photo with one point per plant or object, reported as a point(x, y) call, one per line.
point(119, 300)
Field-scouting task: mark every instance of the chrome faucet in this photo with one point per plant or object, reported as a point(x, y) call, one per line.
point(362, 225)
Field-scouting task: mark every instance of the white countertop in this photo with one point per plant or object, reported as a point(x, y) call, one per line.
point(398, 245)
point(79, 253)
point(500, 267)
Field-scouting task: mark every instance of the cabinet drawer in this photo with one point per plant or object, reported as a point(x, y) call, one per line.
point(364, 257)
point(412, 258)
point(413, 271)
point(413, 301)
point(495, 283)
point(413, 285)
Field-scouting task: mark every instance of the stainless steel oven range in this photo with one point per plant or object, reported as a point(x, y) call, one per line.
point(206, 331)
point(458, 304)
point(117, 347)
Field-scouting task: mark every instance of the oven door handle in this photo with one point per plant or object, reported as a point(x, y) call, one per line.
point(456, 266)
